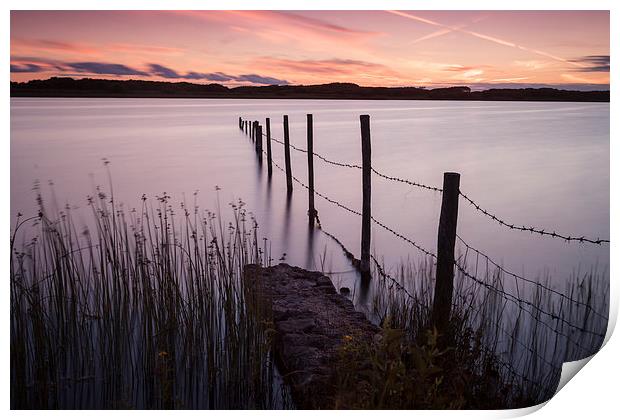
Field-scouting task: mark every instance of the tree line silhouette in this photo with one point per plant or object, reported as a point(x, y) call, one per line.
point(69, 87)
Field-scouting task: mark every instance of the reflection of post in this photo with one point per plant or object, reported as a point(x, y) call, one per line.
point(311, 209)
point(268, 140)
point(446, 238)
point(366, 183)
point(287, 157)
point(259, 139)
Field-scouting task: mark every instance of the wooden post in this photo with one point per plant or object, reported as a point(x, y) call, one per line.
point(259, 139)
point(366, 183)
point(268, 140)
point(446, 238)
point(287, 158)
point(240, 123)
point(246, 127)
point(311, 209)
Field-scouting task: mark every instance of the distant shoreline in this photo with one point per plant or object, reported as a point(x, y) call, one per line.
point(104, 88)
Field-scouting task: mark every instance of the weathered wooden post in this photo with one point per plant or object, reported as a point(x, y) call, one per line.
point(287, 158)
point(259, 139)
point(255, 125)
point(446, 238)
point(311, 209)
point(366, 183)
point(268, 140)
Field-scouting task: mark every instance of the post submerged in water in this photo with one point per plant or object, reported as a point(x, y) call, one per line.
point(287, 157)
point(366, 190)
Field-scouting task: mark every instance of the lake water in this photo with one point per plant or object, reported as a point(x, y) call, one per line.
point(540, 164)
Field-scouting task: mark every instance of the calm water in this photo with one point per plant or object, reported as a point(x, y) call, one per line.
point(541, 164)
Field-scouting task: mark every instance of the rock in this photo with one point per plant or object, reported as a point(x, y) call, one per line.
point(311, 320)
point(345, 291)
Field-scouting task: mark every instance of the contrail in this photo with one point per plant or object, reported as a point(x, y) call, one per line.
point(435, 34)
point(489, 38)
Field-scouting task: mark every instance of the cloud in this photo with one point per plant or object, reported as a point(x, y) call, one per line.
point(144, 49)
point(532, 64)
point(105, 68)
point(457, 67)
point(334, 66)
point(52, 46)
point(485, 37)
point(214, 77)
point(30, 64)
point(261, 80)
point(321, 25)
point(594, 63)
point(168, 73)
point(162, 71)
point(26, 68)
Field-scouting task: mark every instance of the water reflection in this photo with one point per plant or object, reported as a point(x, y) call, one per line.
point(492, 145)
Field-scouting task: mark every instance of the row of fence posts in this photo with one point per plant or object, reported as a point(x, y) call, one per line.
point(446, 235)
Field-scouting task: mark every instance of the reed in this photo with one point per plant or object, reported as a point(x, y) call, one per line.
point(144, 308)
point(495, 353)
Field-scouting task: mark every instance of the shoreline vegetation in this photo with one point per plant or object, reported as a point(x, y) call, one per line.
point(145, 308)
point(104, 88)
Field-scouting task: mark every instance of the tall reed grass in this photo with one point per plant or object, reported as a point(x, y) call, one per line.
point(144, 308)
point(511, 353)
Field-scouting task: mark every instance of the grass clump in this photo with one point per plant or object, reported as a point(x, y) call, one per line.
point(139, 308)
point(495, 354)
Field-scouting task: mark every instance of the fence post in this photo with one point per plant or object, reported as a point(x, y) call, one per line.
point(287, 158)
point(311, 209)
point(446, 238)
point(366, 185)
point(268, 139)
point(259, 139)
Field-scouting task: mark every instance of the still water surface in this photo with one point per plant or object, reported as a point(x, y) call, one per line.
point(540, 164)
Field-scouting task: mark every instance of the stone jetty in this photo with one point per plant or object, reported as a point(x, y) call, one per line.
point(312, 323)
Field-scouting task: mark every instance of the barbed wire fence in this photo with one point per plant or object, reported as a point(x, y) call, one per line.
point(541, 315)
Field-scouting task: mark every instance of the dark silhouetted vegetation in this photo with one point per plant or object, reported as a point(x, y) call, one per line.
point(68, 87)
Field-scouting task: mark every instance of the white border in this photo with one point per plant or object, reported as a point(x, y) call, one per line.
point(593, 393)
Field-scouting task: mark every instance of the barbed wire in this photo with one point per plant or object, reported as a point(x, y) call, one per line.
point(405, 181)
point(498, 324)
point(356, 166)
point(531, 229)
point(520, 302)
point(396, 283)
point(350, 210)
point(545, 232)
point(506, 295)
point(538, 284)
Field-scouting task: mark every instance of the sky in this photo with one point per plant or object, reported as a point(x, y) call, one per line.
point(480, 49)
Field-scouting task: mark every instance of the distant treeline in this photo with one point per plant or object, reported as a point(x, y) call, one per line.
point(68, 87)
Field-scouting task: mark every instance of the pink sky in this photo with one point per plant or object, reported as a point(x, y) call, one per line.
point(371, 48)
